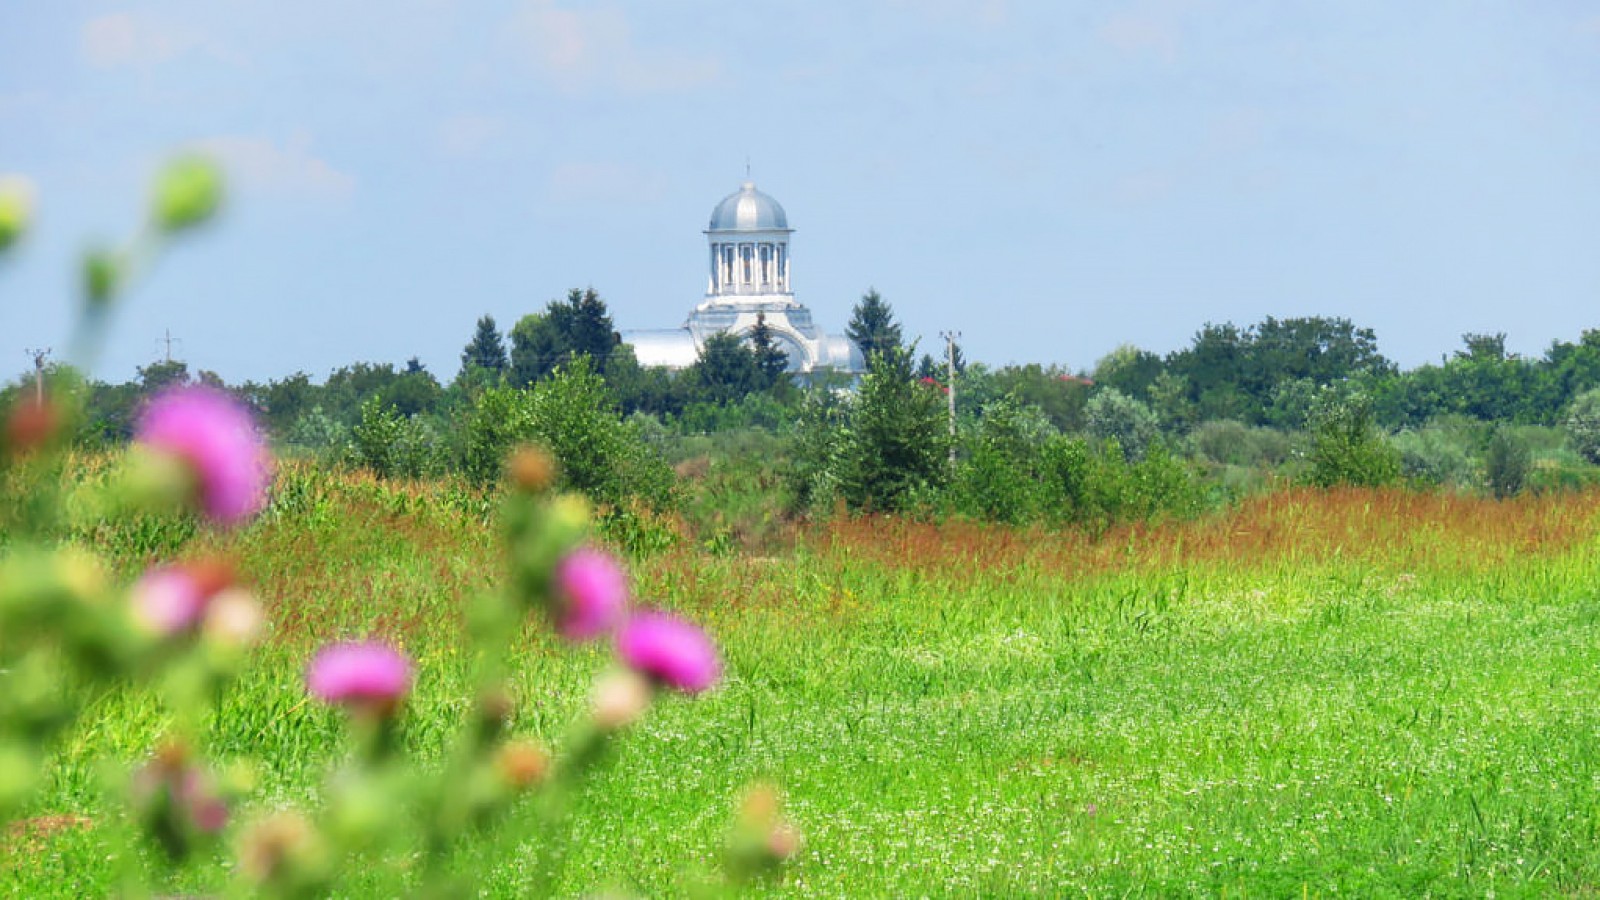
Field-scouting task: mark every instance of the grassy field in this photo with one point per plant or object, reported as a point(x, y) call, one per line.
point(1315, 694)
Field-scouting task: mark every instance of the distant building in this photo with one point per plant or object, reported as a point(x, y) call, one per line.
point(749, 276)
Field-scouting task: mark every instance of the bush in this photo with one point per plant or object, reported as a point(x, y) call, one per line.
point(1436, 456)
point(1583, 424)
point(1113, 415)
point(1506, 464)
point(392, 445)
point(572, 415)
point(1346, 447)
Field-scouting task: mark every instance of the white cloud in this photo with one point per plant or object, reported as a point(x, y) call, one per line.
point(988, 13)
point(583, 182)
point(261, 164)
point(125, 39)
point(1143, 32)
point(581, 49)
point(467, 135)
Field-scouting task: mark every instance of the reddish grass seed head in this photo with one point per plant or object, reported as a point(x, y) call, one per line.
point(670, 651)
point(213, 435)
point(364, 674)
point(592, 593)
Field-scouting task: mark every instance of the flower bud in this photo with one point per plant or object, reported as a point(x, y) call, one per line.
point(102, 276)
point(16, 209)
point(282, 849)
point(620, 698)
point(532, 469)
point(187, 192)
point(522, 764)
point(234, 619)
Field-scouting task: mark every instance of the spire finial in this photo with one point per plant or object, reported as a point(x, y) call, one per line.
point(747, 167)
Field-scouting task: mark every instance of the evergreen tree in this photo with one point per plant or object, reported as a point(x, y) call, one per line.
point(580, 325)
point(872, 326)
point(486, 350)
point(726, 370)
point(771, 360)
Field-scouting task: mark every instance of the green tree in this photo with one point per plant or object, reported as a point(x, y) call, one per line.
point(1506, 464)
point(1113, 415)
point(1346, 446)
point(486, 350)
point(898, 441)
point(872, 326)
point(579, 325)
point(1583, 425)
point(158, 375)
point(771, 361)
point(573, 415)
point(726, 370)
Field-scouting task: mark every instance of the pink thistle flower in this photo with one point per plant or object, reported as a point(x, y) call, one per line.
point(592, 591)
point(214, 435)
point(168, 601)
point(670, 651)
point(359, 674)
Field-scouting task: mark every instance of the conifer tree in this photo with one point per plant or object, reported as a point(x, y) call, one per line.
point(872, 326)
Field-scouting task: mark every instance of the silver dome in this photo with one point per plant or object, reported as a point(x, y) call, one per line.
point(748, 210)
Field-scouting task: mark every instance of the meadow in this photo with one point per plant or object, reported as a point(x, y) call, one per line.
point(1314, 693)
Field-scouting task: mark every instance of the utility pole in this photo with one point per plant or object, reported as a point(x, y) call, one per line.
point(169, 340)
point(38, 374)
point(950, 386)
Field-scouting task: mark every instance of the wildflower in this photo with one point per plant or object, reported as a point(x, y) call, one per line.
point(367, 675)
point(592, 592)
point(670, 651)
point(214, 437)
point(16, 208)
point(168, 601)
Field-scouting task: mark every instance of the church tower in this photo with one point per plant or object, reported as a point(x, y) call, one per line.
point(749, 277)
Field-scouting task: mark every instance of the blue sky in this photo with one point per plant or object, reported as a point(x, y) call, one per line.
point(1053, 179)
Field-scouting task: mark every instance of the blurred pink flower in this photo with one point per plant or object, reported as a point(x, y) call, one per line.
point(365, 673)
point(169, 600)
point(215, 436)
point(669, 650)
point(592, 591)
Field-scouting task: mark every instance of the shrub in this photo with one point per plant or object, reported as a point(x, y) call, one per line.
point(1583, 424)
point(1113, 415)
point(573, 414)
point(1506, 464)
point(1346, 447)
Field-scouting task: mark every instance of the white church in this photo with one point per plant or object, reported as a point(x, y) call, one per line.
point(749, 254)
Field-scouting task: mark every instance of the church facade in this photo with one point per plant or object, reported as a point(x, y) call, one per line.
point(749, 277)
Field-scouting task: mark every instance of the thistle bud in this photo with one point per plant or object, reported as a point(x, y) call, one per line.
point(522, 764)
point(31, 424)
point(16, 209)
point(620, 698)
point(532, 469)
point(102, 276)
point(187, 192)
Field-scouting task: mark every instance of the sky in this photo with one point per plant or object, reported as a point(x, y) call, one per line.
point(1051, 179)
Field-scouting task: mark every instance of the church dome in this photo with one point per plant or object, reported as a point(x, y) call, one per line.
point(748, 210)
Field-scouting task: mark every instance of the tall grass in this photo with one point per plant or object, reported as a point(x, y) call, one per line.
point(1326, 693)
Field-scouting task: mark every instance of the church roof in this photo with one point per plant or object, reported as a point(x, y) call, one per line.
point(748, 210)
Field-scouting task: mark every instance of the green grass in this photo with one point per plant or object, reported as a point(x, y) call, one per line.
point(1388, 698)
